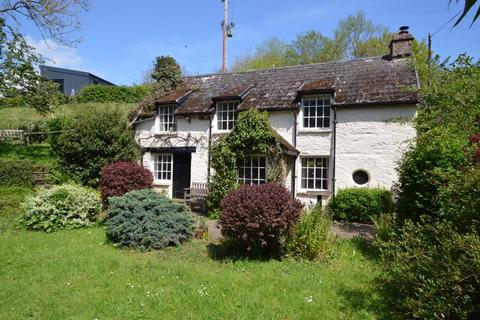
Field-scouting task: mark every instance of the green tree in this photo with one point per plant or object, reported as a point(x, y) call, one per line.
point(354, 37)
point(55, 20)
point(92, 140)
point(272, 53)
point(168, 76)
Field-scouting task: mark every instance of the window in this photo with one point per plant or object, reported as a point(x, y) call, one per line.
point(316, 111)
point(253, 170)
point(360, 177)
point(167, 118)
point(163, 166)
point(315, 173)
point(226, 115)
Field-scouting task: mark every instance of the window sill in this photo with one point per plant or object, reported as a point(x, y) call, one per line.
point(316, 130)
point(314, 192)
point(162, 183)
point(220, 133)
point(166, 134)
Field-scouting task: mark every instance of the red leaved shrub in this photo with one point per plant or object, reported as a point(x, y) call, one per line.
point(475, 138)
point(259, 218)
point(121, 177)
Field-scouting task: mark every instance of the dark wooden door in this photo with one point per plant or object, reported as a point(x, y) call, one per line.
point(181, 173)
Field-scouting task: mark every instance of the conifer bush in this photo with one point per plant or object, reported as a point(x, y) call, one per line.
point(259, 217)
point(146, 220)
point(121, 177)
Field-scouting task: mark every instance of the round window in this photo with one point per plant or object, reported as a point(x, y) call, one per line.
point(360, 177)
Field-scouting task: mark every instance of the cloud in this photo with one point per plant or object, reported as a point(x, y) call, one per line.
point(57, 55)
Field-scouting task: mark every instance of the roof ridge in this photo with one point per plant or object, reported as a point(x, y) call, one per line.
point(298, 66)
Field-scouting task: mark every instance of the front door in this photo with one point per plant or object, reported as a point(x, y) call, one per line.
point(181, 173)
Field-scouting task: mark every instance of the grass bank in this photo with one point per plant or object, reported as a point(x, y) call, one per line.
point(13, 118)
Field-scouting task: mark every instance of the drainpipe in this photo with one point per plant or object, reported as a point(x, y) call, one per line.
point(210, 119)
point(294, 140)
point(334, 151)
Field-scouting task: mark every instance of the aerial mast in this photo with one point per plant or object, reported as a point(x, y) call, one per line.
point(226, 33)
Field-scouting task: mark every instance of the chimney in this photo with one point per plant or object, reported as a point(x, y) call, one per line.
point(401, 44)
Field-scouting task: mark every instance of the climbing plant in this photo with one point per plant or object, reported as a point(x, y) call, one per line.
point(252, 134)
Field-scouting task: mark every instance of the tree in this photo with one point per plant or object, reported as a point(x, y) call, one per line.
point(91, 141)
point(167, 75)
point(354, 37)
point(469, 5)
point(56, 20)
point(166, 70)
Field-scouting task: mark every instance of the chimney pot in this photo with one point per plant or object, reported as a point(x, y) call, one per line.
point(401, 44)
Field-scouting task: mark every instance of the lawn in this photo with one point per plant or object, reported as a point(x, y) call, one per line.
point(13, 118)
point(78, 275)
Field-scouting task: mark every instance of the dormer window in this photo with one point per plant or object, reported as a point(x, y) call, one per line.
point(167, 118)
point(316, 111)
point(226, 115)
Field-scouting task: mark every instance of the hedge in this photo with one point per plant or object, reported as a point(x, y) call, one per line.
point(16, 173)
point(104, 93)
point(360, 204)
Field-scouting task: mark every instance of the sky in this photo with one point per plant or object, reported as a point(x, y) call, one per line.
point(120, 38)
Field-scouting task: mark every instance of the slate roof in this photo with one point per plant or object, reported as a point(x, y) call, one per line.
point(371, 81)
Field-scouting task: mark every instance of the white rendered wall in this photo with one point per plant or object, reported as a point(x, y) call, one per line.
point(369, 138)
point(191, 132)
point(372, 139)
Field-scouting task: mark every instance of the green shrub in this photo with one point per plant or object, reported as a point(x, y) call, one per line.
point(360, 204)
point(15, 102)
point(145, 219)
point(61, 207)
point(16, 173)
point(104, 93)
point(432, 272)
point(312, 238)
point(91, 141)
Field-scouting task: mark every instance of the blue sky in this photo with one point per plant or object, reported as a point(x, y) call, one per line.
point(121, 38)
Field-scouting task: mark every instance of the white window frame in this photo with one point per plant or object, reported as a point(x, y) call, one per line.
point(322, 117)
point(166, 116)
point(226, 113)
point(163, 166)
point(318, 173)
point(246, 166)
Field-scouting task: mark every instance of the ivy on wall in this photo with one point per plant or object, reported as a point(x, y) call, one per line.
point(252, 134)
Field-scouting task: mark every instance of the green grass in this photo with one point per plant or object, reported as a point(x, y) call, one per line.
point(10, 201)
point(39, 153)
point(13, 118)
point(79, 275)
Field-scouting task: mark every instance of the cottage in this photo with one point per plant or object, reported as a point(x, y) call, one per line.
point(342, 123)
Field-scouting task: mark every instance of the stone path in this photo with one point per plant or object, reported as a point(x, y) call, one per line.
point(342, 230)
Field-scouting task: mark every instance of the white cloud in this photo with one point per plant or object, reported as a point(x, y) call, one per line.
point(56, 55)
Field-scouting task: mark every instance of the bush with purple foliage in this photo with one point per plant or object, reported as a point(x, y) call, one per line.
point(259, 218)
point(121, 177)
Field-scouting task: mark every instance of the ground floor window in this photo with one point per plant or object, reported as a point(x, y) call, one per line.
point(315, 173)
point(163, 163)
point(253, 170)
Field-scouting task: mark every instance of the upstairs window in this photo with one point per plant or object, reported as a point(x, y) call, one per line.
point(253, 170)
point(226, 115)
point(167, 118)
point(316, 111)
point(315, 173)
point(163, 163)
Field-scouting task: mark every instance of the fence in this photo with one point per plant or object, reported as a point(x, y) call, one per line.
point(12, 135)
